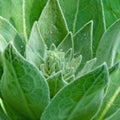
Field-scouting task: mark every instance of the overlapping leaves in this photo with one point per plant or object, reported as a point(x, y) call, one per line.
point(18, 79)
point(62, 61)
point(22, 13)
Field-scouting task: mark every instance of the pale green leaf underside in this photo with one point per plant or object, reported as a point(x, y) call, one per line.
point(79, 100)
point(22, 13)
point(108, 50)
point(52, 23)
point(23, 87)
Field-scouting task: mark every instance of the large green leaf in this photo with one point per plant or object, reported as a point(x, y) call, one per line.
point(111, 10)
point(22, 13)
point(108, 49)
point(79, 100)
point(9, 33)
point(79, 12)
point(111, 101)
point(83, 42)
point(24, 90)
point(52, 23)
point(35, 49)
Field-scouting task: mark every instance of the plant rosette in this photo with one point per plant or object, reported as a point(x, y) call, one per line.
point(63, 65)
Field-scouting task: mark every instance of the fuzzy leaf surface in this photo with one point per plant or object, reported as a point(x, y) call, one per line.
point(83, 42)
point(79, 100)
point(9, 33)
point(67, 43)
point(23, 88)
point(108, 50)
point(22, 13)
point(55, 82)
point(52, 24)
point(79, 12)
point(111, 101)
point(35, 49)
point(89, 66)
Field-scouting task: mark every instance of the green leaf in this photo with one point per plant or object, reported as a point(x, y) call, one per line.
point(1, 71)
point(115, 116)
point(3, 44)
point(111, 11)
point(55, 82)
point(80, 99)
point(22, 13)
point(35, 49)
point(23, 87)
point(52, 23)
point(12, 114)
point(9, 33)
point(83, 42)
point(108, 50)
point(67, 43)
point(87, 67)
point(2, 114)
point(79, 12)
point(74, 64)
point(69, 55)
point(111, 101)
